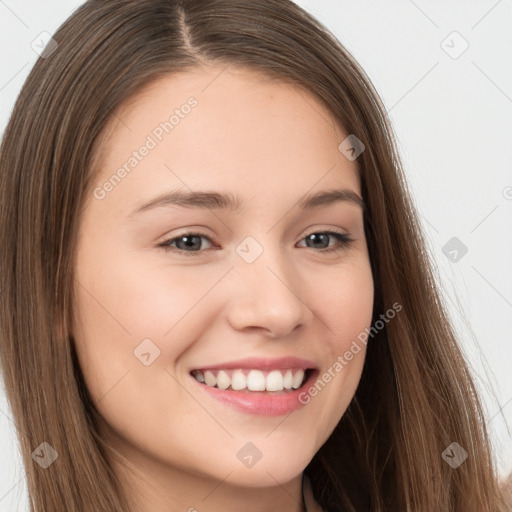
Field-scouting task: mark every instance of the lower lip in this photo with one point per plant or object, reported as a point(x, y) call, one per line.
point(261, 402)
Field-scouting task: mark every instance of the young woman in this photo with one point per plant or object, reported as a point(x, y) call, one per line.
point(215, 291)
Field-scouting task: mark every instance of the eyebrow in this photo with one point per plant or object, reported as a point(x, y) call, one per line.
point(229, 202)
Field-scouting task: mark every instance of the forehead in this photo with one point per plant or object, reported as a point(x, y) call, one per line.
point(220, 127)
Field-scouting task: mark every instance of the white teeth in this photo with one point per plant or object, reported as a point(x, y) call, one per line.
point(223, 380)
point(288, 379)
point(297, 379)
point(210, 378)
point(255, 380)
point(275, 381)
point(238, 380)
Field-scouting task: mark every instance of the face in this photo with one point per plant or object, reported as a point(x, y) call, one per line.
point(166, 286)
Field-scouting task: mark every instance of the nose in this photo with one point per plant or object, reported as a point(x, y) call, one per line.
point(265, 295)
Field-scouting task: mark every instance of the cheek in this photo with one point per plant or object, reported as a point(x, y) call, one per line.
point(346, 303)
point(129, 297)
point(122, 301)
point(351, 320)
point(346, 312)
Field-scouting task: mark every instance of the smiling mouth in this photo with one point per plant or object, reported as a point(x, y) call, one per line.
point(253, 380)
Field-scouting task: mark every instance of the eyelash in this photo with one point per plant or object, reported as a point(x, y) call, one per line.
point(344, 241)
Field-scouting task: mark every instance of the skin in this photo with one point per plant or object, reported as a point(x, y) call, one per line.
point(270, 143)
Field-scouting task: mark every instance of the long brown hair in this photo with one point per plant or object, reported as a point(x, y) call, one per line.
point(416, 395)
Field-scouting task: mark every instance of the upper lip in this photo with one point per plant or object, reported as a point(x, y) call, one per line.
point(262, 363)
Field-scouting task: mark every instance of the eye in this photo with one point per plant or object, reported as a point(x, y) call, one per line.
point(322, 237)
point(190, 244)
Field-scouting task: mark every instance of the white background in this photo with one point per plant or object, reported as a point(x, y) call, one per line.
point(453, 120)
